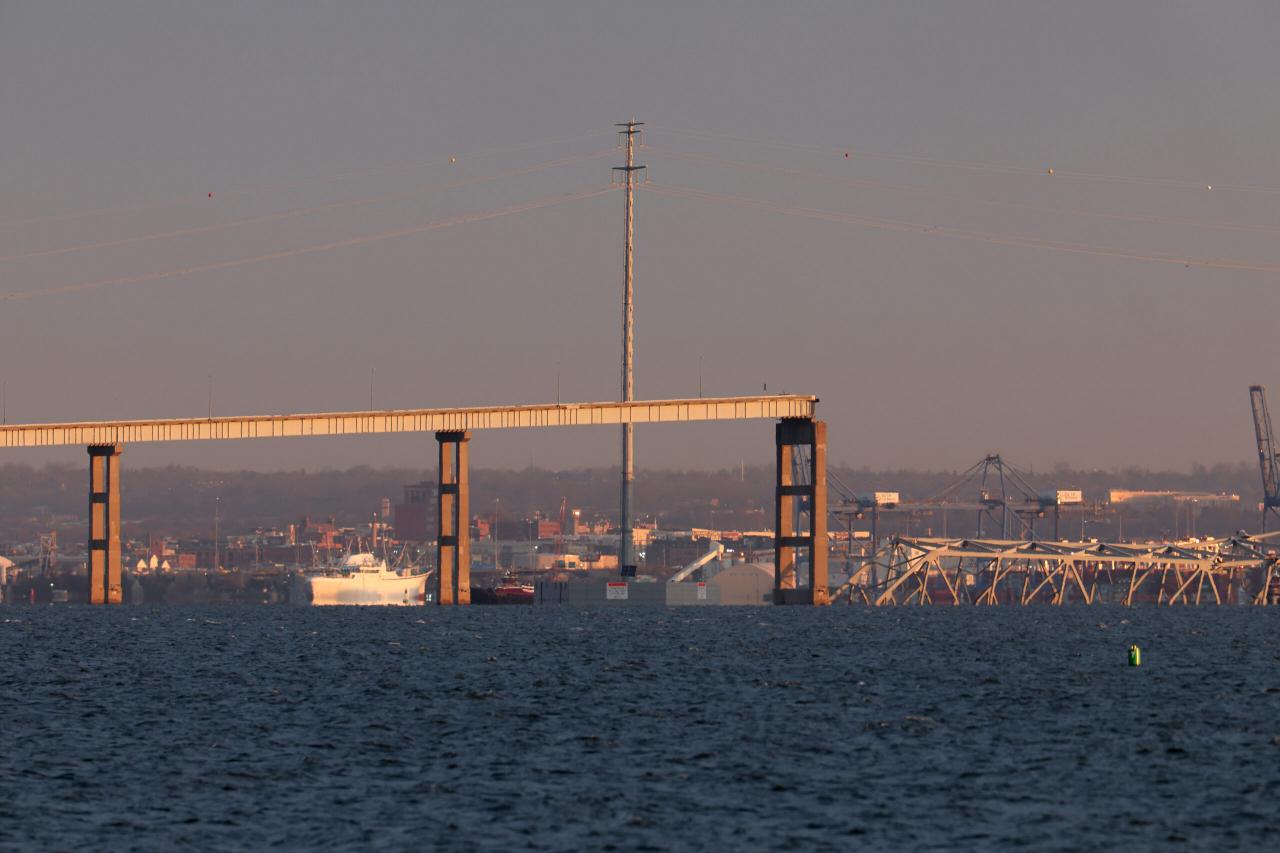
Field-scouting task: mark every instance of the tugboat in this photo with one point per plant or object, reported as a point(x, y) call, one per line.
point(509, 590)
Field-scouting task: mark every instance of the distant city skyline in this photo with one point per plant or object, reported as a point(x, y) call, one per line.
point(1042, 231)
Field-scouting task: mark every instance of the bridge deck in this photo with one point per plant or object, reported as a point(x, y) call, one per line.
point(771, 407)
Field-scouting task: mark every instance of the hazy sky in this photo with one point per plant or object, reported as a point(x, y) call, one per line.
point(929, 302)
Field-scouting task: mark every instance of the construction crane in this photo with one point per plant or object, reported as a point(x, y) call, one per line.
point(1266, 452)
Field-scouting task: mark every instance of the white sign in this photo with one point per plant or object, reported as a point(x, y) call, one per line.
point(702, 592)
point(616, 591)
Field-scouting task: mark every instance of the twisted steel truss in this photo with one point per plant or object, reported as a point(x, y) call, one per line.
point(925, 570)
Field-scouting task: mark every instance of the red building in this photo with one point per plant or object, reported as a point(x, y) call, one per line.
point(321, 534)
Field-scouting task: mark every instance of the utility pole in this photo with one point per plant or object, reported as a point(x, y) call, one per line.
point(626, 556)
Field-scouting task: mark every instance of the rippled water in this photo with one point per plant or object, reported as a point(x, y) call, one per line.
point(549, 728)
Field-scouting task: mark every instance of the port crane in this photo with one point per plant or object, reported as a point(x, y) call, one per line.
point(1004, 499)
point(998, 494)
point(1267, 462)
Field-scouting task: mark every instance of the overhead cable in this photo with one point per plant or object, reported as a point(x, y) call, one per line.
point(962, 234)
point(310, 182)
point(1007, 169)
point(422, 228)
point(969, 198)
point(306, 211)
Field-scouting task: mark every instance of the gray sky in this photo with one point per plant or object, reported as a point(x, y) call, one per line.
point(930, 343)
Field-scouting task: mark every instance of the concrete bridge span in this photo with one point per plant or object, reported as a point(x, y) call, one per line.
point(797, 428)
point(409, 420)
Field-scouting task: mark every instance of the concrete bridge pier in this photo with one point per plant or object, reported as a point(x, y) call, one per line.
point(453, 527)
point(105, 586)
point(790, 434)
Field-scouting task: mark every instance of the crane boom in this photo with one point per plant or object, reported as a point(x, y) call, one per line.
point(1267, 462)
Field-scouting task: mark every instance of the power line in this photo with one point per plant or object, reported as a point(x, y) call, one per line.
point(303, 250)
point(306, 211)
point(962, 234)
point(309, 182)
point(1171, 183)
point(968, 198)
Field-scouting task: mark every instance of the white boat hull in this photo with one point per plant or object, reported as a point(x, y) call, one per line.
point(363, 588)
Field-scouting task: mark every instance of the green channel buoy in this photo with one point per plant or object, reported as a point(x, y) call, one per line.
point(1135, 656)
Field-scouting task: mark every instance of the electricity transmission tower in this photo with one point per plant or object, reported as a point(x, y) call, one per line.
point(626, 556)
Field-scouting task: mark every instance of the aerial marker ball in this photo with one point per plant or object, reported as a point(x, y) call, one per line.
point(210, 195)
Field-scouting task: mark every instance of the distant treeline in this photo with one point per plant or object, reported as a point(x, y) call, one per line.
point(180, 501)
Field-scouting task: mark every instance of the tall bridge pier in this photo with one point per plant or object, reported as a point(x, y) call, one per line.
point(105, 585)
point(453, 530)
point(792, 433)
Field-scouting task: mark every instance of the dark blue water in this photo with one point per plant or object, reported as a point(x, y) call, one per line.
point(547, 728)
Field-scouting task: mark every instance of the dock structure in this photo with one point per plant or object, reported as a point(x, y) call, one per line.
point(453, 429)
point(925, 570)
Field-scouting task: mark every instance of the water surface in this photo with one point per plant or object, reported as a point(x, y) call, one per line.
point(556, 728)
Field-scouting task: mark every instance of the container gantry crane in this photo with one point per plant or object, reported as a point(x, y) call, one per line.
point(1267, 462)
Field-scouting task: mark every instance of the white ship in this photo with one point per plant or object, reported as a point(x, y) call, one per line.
point(360, 579)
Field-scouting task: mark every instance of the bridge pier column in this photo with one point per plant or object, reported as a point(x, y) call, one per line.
point(453, 527)
point(105, 586)
point(790, 434)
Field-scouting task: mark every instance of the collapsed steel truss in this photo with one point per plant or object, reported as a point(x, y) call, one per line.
point(924, 570)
